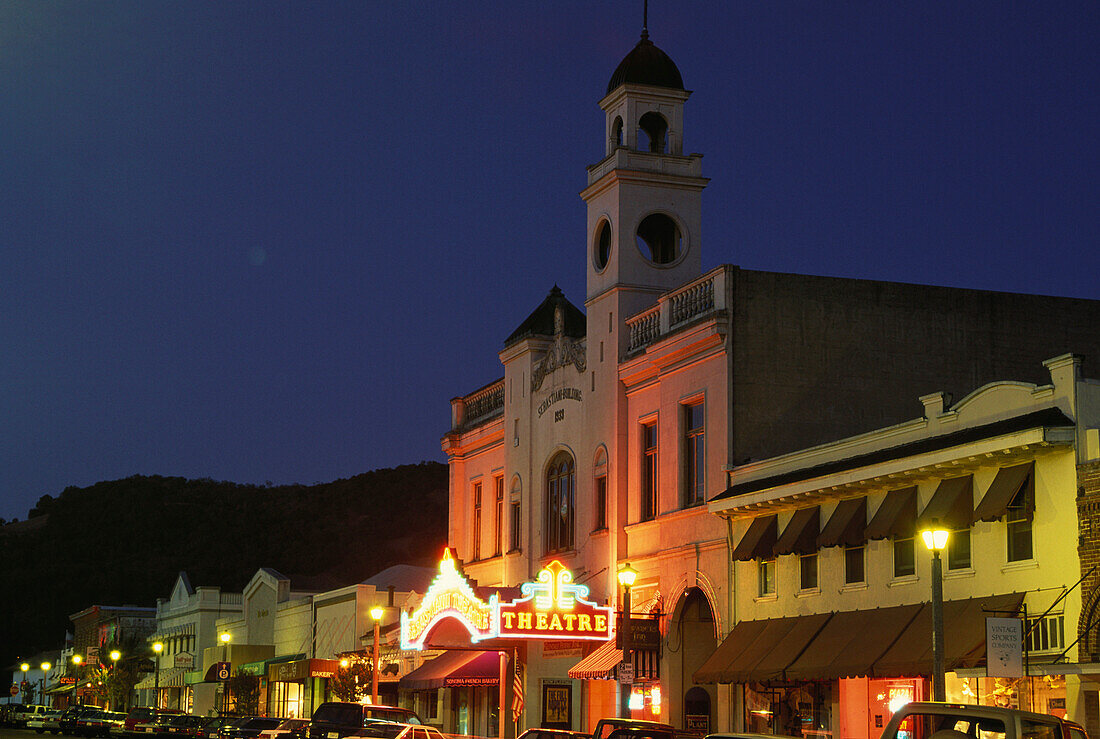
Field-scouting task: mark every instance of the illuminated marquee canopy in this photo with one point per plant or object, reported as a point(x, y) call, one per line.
point(449, 595)
point(553, 607)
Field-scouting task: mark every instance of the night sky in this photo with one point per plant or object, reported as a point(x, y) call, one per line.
point(263, 241)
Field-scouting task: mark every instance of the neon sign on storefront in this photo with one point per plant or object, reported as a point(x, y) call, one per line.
point(552, 607)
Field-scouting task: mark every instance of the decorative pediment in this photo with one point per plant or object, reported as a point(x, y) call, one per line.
point(563, 352)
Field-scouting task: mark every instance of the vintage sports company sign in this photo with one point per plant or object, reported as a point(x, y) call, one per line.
point(552, 607)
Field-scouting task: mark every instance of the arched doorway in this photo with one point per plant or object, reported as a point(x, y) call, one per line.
point(691, 641)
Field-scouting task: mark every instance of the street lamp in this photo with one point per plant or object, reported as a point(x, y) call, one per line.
point(46, 667)
point(935, 538)
point(158, 647)
point(225, 637)
point(25, 685)
point(375, 613)
point(77, 659)
point(627, 576)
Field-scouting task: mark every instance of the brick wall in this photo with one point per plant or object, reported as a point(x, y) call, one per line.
point(1088, 548)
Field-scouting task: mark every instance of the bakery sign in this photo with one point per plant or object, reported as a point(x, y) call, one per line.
point(552, 607)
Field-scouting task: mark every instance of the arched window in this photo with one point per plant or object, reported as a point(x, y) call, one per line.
point(560, 487)
point(617, 132)
point(655, 128)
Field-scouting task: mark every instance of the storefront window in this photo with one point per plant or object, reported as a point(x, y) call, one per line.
point(802, 709)
point(767, 577)
point(958, 550)
point(905, 563)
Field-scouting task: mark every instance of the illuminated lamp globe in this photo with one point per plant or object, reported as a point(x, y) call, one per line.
point(77, 659)
point(24, 667)
point(46, 666)
point(157, 647)
point(225, 638)
point(376, 612)
point(627, 575)
point(115, 654)
point(935, 537)
point(344, 663)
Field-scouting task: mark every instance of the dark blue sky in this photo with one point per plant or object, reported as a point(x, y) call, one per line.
point(269, 241)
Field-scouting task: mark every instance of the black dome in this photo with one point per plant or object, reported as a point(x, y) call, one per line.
point(646, 65)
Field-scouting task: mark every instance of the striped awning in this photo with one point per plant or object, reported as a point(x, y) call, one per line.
point(600, 665)
point(170, 678)
point(167, 632)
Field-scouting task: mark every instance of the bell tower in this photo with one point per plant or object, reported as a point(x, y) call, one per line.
point(644, 198)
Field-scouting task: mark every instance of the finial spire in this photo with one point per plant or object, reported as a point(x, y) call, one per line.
point(645, 19)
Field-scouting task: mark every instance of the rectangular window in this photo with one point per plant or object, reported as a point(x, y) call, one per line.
point(694, 467)
point(905, 562)
point(958, 550)
point(807, 572)
point(853, 565)
point(477, 521)
point(498, 518)
point(1046, 634)
point(1019, 528)
point(601, 503)
point(767, 577)
point(516, 540)
point(649, 471)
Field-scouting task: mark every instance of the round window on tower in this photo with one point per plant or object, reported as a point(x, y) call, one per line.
point(659, 239)
point(601, 245)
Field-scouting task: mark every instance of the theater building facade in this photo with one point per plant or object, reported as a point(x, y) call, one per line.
point(612, 427)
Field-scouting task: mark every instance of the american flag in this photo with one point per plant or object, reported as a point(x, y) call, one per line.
point(517, 690)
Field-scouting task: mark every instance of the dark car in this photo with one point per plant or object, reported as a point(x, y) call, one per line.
point(180, 725)
point(98, 724)
point(625, 728)
point(73, 714)
point(213, 727)
point(7, 713)
point(154, 725)
point(334, 719)
point(553, 734)
point(248, 727)
point(291, 728)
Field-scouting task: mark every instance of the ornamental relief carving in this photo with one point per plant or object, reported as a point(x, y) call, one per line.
point(564, 352)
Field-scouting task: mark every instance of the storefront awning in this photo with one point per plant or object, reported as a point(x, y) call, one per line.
point(1005, 485)
point(896, 515)
point(800, 536)
point(849, 644)
point(963, 642)
point(952, 504)
point(599, 665)
point(59, 690)
point(455, 668)
point(883, 642)
point(758, 541)
point(170, 678)
point(760, 650)
point(846, 525)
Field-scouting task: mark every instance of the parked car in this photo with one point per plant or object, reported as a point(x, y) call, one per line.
point(334, 719)
point(87, 722)
point(29, 713)
point(553, 734)
point(624, 728)
point(291, 728)
point(933, 720)
point(248, 727)
point(154, 724)
point(99, 724)
point(182, 725)
point(379, 729)
point(73, 714)
point(137, 715)
point(7, 713)
point(212, 728)
point(744, 735)
point(51, 722)
point(39, 722)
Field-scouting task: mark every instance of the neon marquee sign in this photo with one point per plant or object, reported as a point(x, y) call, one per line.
point(552, 607)
point(449, 596)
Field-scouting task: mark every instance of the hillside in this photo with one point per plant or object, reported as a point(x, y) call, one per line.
point(124, 541)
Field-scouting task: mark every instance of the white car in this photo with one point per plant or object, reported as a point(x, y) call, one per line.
point(291, 727)
point(46, 721)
